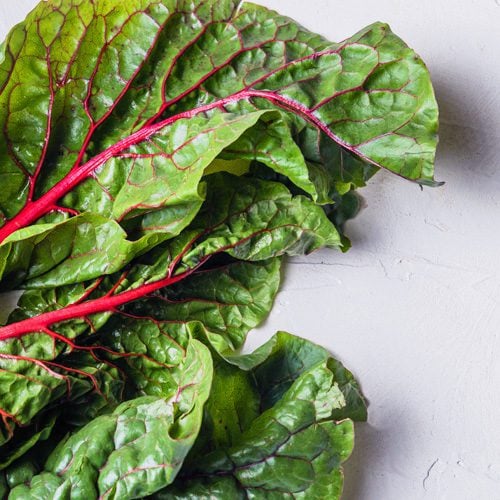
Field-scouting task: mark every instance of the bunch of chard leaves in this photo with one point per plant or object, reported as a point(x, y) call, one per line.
point(158, 159)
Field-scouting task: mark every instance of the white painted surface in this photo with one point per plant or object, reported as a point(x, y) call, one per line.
point(413, 309)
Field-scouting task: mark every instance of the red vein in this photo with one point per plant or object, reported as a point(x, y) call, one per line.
point(33, 210)
point(104, 304)
point(181, 53)
point(94, 124)
point(311, 117)
point(111, 303)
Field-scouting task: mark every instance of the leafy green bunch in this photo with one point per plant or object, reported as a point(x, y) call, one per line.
point(158, 160)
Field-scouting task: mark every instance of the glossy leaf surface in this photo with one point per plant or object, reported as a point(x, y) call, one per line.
point(135, 450)
point(96, 94)
point(269, 429)
point(261, 221)
point(158, 159)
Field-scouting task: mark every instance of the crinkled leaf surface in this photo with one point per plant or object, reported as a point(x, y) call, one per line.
point(269, 429)
point(149, 340)
point(276, 364)
point(134, 451)
point(219, 306)
point(262, 220)
point(164, 171)
point(96, 95)
point(122, 123)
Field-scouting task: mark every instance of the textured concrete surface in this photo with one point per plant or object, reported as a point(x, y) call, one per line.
point(414, 308)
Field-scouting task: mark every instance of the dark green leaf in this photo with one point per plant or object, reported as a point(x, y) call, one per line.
point(134, 451)
point(164, 172)
point(260, 221)
point(271, 428)
point(138, 211)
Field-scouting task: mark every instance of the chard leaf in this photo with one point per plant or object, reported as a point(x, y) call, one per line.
point(165, 170)
point(162, 169)
point(271, 143)
point(34, 379)
point(21, 472)
point(276, 364)
point(39, 432)
point(57, 254)
point(220, 305)
point(142, 342)
point(303, 462)
point(134, 451)
point(150, 339)
point(157, 159)
point(259, 221)
point(81, 98)
point(287, 444)
point(333, 170)
point(245, 386)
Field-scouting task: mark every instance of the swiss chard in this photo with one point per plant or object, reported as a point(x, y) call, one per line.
point(124, 148)
point(158, 158)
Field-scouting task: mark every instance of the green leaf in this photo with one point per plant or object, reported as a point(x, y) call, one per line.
point(271, 428)
point(218, 305)
point(261, 221)
point(149, 340)
point(284, 358)
point(271, 143)
point(244, 386)
point(136, 450)
point(21, 472)
point(34, 379)
point(333, 170)
point(142, 343)
point(75, 133)
point(164, 172)
point(221, 304)
point(137, 142)
point(78, 249)
point(40, 432)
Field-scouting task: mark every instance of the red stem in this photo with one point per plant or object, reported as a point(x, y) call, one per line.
point(42, 322)
point(33, 210)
